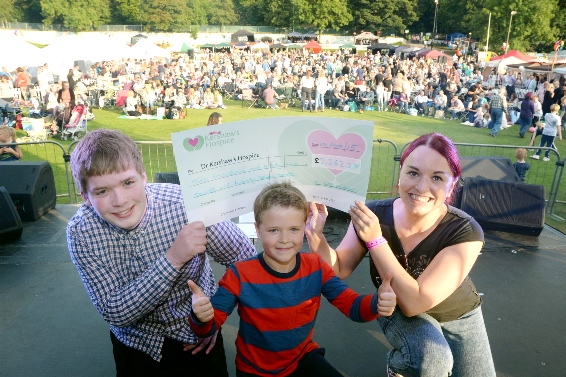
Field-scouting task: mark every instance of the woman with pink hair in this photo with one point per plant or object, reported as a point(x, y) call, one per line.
point(437, 328)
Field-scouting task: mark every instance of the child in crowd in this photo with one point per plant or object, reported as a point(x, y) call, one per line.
point(132, 103)
point(218, 101)
point(552, 127)
point(521, 166)
point(479, 117)
point(539, 126)
point(11, 152)
point(278, 295)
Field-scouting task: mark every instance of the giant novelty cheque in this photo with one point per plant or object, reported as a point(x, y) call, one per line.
point(222, 168)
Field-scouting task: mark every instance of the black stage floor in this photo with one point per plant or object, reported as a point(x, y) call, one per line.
point(48, 327)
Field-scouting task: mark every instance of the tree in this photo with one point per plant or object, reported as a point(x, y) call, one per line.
point(321, 14)
point(222, 13)
point(127, 11)
point(166, 15)
point(425, 16)
point(78, 15)
point(83, 15)
point(53, 11)
point(28, 10)
point(446, 22)
point(532, 24)
point(200, 11)
point(328, 14)
point(559, 19)
point(251, 12)
point(376, 15)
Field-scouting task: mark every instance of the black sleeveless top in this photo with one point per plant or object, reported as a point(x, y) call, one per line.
point(456, 227)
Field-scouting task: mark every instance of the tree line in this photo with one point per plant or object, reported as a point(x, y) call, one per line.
point(535, 26)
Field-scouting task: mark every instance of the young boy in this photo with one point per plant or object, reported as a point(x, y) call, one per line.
point(521, 166)
point(278, 295)
point(552, 127)
point(135, 250)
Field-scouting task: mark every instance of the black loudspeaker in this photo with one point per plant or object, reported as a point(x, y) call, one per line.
point(166, 178)
point(512, 207)
point(495, 168)
point(11, 226)
point(31, 186)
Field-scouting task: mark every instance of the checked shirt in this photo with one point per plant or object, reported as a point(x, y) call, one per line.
point(131, 282)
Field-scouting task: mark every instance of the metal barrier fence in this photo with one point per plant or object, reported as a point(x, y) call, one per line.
point(158, 158)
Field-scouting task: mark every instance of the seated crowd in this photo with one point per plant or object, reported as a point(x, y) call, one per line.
point(315, 81)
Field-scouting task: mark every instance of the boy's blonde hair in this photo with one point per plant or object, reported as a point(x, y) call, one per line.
point(282, 194)
point(103, 152)
point(554, 108)
point(520, 153)
point(10, 131)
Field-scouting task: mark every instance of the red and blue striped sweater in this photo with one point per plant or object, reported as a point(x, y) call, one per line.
point(278, 311)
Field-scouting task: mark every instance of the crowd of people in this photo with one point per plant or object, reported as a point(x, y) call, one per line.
point(316, 81)
point(146, 267)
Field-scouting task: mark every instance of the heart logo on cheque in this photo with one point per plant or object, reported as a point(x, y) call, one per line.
point(193, 144)
point(348, 147)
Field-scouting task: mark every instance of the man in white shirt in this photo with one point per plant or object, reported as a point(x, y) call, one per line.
point(222, 80)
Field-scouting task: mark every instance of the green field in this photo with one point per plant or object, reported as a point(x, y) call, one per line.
point(398, 128)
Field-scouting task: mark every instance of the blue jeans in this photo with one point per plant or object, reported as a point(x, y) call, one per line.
point(471, 116)
point(525, 124)
point(546, 141)
point(424, 347)
point(319, 100)
point(495, 123)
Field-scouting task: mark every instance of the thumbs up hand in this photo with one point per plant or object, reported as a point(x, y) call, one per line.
point(387, 299)
point(202, 307)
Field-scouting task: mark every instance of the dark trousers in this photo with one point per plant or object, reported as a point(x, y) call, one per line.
point(306, 96)
point(546, 141)
point(312, 364)
point(174, 362)
point(525, 124)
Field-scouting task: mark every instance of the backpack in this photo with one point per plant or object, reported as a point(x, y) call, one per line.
point(353, 106)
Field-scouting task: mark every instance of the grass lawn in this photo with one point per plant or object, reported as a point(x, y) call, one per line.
point(398, 128)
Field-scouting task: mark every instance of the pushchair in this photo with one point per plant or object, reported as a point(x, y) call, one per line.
point(77, 123)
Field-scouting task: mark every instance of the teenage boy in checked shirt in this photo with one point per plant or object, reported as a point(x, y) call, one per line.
point(135, 250)
point(278, 295)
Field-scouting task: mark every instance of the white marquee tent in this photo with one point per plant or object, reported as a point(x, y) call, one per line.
point(19, 53)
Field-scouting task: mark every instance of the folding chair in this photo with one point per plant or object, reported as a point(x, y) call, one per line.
point(248, 98)
point(364, 99)
point(463, 116)
point(229, 90)
point(285, 95)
